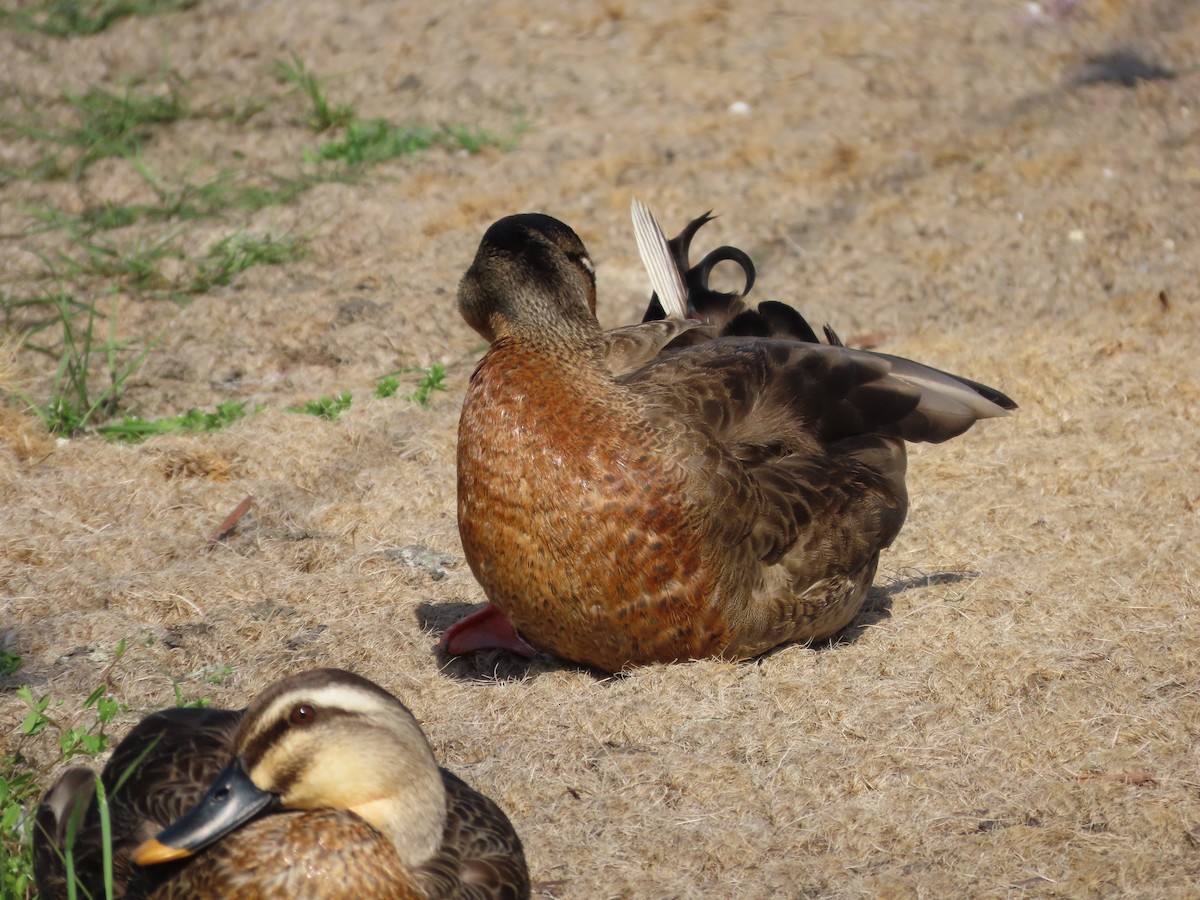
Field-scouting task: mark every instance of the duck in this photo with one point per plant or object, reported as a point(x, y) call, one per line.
point(324, 787)
point(713, 481)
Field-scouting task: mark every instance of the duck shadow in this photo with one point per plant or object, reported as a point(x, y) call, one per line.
point(878, 605)
point(487, 665)
point(501, 665)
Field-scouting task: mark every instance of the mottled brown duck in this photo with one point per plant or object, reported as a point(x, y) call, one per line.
point(711, 482)
point(324, 787)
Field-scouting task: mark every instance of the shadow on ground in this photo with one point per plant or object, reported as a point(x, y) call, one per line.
point(501, 665)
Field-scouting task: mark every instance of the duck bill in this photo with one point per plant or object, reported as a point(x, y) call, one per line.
point(231, 801)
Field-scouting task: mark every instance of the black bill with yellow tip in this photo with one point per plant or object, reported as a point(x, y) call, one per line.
point(231, 801)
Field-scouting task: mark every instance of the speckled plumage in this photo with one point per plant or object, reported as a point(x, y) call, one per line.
point(684, 488)
point(320, 851)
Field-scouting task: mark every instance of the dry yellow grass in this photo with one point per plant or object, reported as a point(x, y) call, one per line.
point(1016, 713)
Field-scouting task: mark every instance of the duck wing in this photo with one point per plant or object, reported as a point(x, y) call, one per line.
point(632, 346)
point(156, 774)
point(763, 396)
point(481, 857)
point(786, 441)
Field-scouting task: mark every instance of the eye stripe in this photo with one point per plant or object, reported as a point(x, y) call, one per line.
point(253, 751)
point(331, 692)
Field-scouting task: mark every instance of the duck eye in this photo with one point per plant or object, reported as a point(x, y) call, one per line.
point(303, 715)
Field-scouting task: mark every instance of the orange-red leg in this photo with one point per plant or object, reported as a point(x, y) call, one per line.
point(487, 629)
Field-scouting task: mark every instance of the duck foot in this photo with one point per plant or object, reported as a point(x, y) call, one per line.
point(487, 629)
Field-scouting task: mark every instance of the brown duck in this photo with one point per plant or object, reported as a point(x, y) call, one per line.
point(713, 483)
point(324, 787)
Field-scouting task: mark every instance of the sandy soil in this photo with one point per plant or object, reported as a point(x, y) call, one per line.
point(1016, 713)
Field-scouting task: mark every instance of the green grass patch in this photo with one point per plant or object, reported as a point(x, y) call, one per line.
point(227, 193)
point(70, 18)
point(83, 734)
point(432, 379)
point(387, 386)
point(106, 124)
point(328, 408)
point(324, 115)
point(19, 790)
point(132, 429)
point(75, 397)
point(10, 663)
point(239, 252)
point(146, 245)
point(138, 264)
point(370, 141)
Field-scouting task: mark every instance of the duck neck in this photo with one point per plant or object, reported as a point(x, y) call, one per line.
point(415, 824)
point(576, 341)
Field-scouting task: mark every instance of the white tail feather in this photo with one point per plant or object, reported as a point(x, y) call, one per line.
point(665, 277)
point(943, 394)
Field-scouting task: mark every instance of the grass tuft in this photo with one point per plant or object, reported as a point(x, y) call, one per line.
point(19, 789)
point(329, 407)
point(239, 252)
point(323, 115)
point(109, 124)
point(432, 380)
point(10, 663)
point(132, 429)
point(370, 141)
point(75, 399)
point(387, 386)
point(84, 734)
point(72, 18)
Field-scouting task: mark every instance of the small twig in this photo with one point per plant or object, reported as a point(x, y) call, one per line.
point(231, 522)
point(1136, 777)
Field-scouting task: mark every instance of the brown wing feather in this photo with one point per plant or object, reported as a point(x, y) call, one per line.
point(481, 856)
point(633, 346)
point(797, 450)
point(163, 768)
point(322, 854)
point(770, 395)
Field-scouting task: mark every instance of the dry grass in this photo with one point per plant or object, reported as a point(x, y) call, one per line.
point(1017, 713)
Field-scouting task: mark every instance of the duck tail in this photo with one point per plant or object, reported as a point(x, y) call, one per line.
point(948, 405)
point(60, 815)
point(681, 290)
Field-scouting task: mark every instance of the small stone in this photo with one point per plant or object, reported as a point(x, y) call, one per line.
point(422, 557)
point(739, 108)
point(1075, 236)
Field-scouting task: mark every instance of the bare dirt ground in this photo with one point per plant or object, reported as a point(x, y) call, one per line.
point(1016, 713)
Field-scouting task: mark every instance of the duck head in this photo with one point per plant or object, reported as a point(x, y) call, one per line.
point(532, 280)
point(324, 739)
